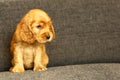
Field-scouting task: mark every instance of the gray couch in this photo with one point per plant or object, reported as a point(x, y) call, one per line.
point(87, 44)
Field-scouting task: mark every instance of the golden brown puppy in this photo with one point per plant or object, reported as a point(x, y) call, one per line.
point(28, 42)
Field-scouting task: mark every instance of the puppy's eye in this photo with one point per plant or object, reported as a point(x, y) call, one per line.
point(39, 26)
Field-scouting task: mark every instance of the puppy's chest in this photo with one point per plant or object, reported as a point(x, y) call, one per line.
point(28, 56)
point(28, 52)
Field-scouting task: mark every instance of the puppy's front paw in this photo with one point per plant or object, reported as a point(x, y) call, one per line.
point(17, 69)
point(40, 68)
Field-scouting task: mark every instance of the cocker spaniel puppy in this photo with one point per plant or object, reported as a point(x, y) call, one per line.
point(28, 42)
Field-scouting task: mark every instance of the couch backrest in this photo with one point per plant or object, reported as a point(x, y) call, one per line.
point(87, 31)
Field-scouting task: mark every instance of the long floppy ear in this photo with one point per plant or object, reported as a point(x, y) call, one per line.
point(53, 31)
point(25, 34)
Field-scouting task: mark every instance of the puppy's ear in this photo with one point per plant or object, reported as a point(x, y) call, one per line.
point(26, 34)
point(53, 31)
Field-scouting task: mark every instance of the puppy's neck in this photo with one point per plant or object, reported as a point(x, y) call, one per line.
point(35, 43)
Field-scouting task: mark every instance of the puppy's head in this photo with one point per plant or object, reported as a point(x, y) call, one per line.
point(36, 25)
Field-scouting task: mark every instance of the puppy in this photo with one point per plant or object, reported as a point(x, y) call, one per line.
point(28, 42)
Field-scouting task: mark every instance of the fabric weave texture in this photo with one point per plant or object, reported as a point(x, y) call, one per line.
point(87, 32)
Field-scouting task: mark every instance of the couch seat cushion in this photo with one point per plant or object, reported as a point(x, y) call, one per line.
point(71, 72)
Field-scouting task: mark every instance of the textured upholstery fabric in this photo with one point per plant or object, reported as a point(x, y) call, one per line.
point(87, 31)
point(76, 72)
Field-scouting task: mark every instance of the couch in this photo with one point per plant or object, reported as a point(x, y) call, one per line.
point(87, 44)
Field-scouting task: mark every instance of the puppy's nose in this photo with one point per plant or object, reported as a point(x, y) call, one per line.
point(48, 37)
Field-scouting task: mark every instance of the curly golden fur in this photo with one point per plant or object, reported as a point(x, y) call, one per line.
point(28, 42)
